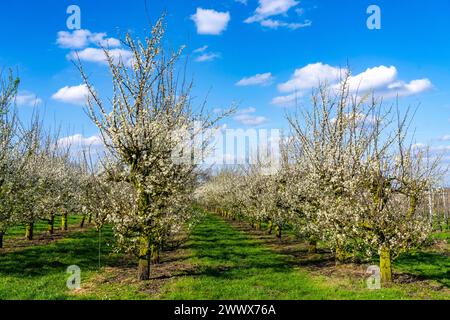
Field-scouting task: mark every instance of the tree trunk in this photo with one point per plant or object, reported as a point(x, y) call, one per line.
point(50, 225)
point(447, 218)
point(82, 222)
point(270, 227)
point(1, 240)
point(64, 222)
point(385, 265)
point(155, 256)
point(90, 219)
point(144, 260)
point(312, 245)
point(430, 207)
point(341, 254)
point(278, 232)
point(258, 225)
point(145, 239)
point(29, 231)
point(444, 198)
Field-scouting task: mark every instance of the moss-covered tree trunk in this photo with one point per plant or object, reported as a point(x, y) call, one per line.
point(270, 227)
point(155, 254)
point(312, 245)
point(50, 225)
point(144, 259)
point(278, 231)
point(340, 255)
point(258, 225)
point(29, 231)
point(385, 265)
point(82, 222)
point(64, 222)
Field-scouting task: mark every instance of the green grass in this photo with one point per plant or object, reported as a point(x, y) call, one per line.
point(428, 264)
point(228, 264)
point(442, 235)
point(41, 226)
point(39, 272)
point(234, 266)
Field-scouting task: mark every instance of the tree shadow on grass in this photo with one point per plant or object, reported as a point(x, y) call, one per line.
point(80, 248)
point(426, 266)
point(289, 253)
point(224, 252)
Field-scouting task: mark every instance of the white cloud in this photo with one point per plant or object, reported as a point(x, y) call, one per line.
point(300, 11)
point(250, 120)
point(287, 100)
point(204, 56)
point(89, 46)
point(275, 24)
point(247, 110)
point(268, 8)
point(79, 39)
point(373, 78)
point(28, 99)
point(98, 55)
point(73, 95)
point(311, 76)
point(74, 40)
point(439, 149)
point(201, 49)
point(79, 141)
point(382, 80)
point(258, 79)
point(246, 117)
point(211, 22)
point(207, 57)
point(406, 89)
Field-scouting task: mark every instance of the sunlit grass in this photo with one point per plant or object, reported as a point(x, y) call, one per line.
point(229, 264)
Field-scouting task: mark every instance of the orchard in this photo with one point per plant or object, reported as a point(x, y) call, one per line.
point(350, 185)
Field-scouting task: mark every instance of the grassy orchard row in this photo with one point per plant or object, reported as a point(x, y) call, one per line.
point(218, 262)
point(349, 177)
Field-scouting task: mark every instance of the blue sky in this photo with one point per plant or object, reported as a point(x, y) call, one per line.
point(257, 53)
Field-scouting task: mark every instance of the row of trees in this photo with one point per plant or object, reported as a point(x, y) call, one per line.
point(147, 128)
point(38, 178)
point(142, 185)
point(349, 177)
